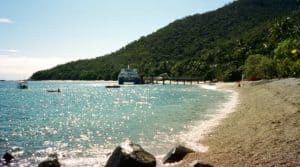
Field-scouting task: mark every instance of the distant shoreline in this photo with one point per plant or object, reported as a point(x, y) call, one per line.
point(263, 131)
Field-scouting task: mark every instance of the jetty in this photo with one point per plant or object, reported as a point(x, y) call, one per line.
point(172, 80)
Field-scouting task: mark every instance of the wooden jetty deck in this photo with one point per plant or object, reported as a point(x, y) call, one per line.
point(161, 80)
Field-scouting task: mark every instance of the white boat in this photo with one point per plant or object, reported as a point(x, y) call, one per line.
point(22, 84)
point(129, 75)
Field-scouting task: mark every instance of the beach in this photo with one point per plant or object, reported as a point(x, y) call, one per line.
point(263, 129)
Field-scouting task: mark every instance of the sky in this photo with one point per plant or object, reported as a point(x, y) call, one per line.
point(40, 34)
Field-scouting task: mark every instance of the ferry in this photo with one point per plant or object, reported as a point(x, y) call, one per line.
point(129, 75)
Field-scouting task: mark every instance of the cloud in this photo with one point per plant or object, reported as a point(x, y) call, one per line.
point(8, 51)
point(21, 67)
point(4, 20)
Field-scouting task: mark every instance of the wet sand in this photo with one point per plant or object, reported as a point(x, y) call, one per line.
point(264, 129)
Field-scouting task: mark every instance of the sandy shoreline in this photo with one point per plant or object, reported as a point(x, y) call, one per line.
point(204, 127)
point(264, 130)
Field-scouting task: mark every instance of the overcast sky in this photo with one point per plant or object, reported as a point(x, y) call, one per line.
point(39, 34)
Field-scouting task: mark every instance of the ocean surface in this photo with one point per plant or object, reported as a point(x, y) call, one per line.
point(85, 121)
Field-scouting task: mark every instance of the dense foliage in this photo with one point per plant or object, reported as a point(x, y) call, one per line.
point(214, 45)
point(258, 67)
point(284, 61)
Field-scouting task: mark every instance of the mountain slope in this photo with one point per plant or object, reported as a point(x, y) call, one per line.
point(211, 45)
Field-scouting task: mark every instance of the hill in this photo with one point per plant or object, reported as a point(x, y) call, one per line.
point(208, 46)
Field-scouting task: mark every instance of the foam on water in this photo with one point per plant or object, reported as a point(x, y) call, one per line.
point(210, 87)
point(197, 131)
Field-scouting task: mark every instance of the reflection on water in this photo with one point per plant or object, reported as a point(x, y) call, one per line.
point(86, 120)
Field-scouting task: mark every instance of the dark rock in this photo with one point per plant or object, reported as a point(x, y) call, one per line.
point(176, 154)
point(199, 164)
point(8, 157)
point(51, 162)
point(130, 155)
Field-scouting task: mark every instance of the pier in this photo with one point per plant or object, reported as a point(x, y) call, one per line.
point(161, 80)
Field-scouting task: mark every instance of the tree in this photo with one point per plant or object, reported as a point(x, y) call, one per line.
point(259, 67)
point(288, 48)
point(287, 58)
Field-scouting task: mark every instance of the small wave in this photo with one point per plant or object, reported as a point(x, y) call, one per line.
point(210, 87)
point(201, 128)
point(96, 156)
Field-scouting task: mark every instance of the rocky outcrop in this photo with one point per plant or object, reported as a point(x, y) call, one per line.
point(129, 154)
point(51, 162)
point(177, 154)
point(200, 164)
point(7, 157)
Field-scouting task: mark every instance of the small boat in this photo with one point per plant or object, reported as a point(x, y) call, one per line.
point(112, 86)
point(22, 84)
point(54, 91)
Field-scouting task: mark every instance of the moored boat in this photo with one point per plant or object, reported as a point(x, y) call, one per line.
point(129, 75)
point(53, 91)
point(112, 86)
point(22, 84)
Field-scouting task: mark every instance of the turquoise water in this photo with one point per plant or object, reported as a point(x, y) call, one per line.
point(86, 120)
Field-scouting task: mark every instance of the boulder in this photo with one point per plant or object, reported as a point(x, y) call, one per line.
point(176, 154)
point(130, 155)
point(51, 162)
point(200, 164)
point(7, 157)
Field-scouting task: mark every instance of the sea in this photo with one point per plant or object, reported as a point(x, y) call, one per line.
point(85, 121)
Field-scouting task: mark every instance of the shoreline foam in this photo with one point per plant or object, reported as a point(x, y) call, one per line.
point(204, 127)
point(198, 130)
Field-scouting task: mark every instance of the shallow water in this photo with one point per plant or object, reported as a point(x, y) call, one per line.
point(84, 122)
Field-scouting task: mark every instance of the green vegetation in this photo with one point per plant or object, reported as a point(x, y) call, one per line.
point(258, 67)
point(284, 62)
point(214, 45)
point(287, 58)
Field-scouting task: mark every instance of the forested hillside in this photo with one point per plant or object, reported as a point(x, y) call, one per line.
point(214, 45)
